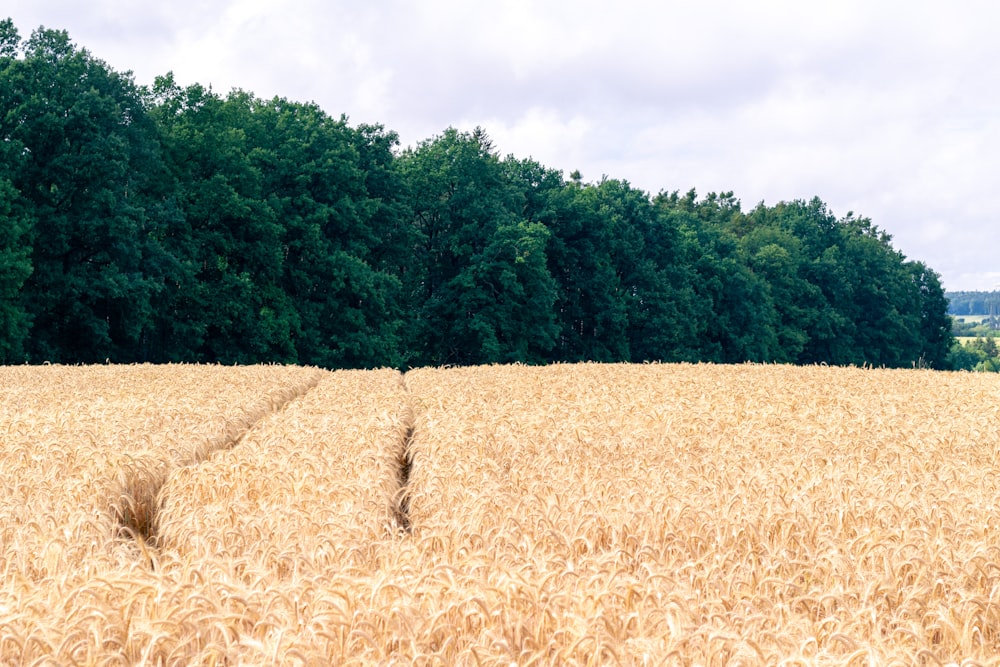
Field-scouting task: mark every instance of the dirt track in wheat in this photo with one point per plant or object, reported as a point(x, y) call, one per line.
point(574, 514)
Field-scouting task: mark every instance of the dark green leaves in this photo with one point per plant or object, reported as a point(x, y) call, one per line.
point(175, 224)
point(480, 289)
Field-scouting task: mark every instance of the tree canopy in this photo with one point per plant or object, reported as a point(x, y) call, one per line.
point(173, 223)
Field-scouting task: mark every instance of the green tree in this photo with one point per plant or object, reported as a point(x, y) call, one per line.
point(822, 283)
point(663, 313)
point(979, 355)
point(509, 293)
point(590, 310)
point(179, 225)
point(85, 147)
point(15, 267)
point(844, 291)
point(315, 178)
point(883, 304)
point(481, 283)
point(775, 248)
point(15, 218)
point(228, 304)
point(732, 308)
point(935, 337)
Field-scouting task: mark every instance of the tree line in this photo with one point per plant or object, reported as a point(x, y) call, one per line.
point(171, 223)
point(973, 303)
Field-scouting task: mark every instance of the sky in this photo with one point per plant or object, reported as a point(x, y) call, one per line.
point(888, 109)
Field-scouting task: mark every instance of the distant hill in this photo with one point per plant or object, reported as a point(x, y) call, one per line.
point(973, 303)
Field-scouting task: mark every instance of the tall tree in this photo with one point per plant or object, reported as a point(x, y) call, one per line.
point(179, 225)
point(15, 215)
point(844, 291)
point(229, 301)
point(778, 255)
point(664, 321)
point(85, 143)
point(817, 255)
point(590, 306)
point(732, 306)
point(936, 339)
point(483, 281)
point(649, 252)
point(884, 306)
point(315, 180)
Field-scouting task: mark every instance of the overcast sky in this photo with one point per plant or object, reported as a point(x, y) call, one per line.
point(887, 109)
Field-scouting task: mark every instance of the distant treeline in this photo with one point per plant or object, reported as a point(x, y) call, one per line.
point(175, 224)
point(973, 303)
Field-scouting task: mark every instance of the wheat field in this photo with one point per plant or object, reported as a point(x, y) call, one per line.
point(564, 515)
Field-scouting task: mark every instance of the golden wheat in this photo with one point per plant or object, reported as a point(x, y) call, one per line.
point(84, 450)
point(578, 514)
point(721, 514)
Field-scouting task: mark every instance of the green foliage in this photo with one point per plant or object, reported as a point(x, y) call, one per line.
point(176, 224)
point(583, 261)
point(15, 267)
point(935, 337)
point(732, 309)
point(980, 354)
point(229, 296)
point(16, 223)
point(975, 325)
point(480, 290)
point(82, 143)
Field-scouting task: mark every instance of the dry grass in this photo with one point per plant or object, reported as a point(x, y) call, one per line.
point(586, 514)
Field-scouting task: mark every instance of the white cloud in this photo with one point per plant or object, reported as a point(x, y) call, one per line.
point(542, 134)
